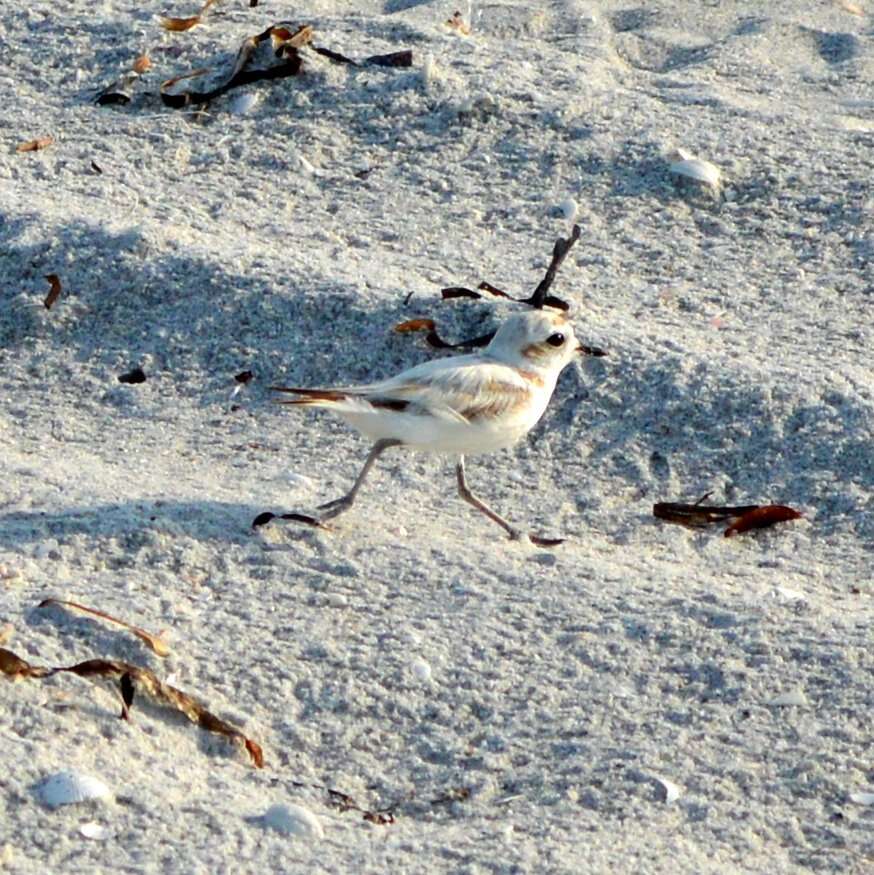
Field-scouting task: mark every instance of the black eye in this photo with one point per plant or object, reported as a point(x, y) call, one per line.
point(556, 339)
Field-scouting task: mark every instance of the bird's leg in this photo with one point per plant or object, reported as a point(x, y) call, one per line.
point(338, 505)
point(480, 505)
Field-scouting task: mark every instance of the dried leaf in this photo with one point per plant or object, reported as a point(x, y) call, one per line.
point(762, 517)
point(282, 38)
point(415, 325)
point(142, 64)
point(36, 145)
point(178, 25)
point(403, 58)
point(54, 290)
point(155, 642)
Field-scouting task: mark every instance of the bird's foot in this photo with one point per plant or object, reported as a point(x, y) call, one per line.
point(545, 542)
point(335, 507)
point(516, 535)
point(263, 518)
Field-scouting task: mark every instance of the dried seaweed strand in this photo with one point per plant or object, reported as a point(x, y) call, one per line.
point(539, 299)
point(344, 802)
point(133, 678)
point(762, 517)
point(13, 666)
point(697, 514)
point(434, 339)
point(54, 290)
point(155, 642)
point(746, 517)
point(285, 42)
point(559, 252)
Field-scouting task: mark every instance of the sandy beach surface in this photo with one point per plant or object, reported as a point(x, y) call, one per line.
point(645, 697)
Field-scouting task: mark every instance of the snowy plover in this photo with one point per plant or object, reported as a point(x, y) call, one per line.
point(460, 405)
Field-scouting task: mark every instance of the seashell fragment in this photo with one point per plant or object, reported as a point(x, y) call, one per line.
point(94, 830)
point(69, 787)
point(671, 790)
point(293, 820)
point(421, 669)
point(569, 210)
point(794, 698)
point(862, 798)
point(689, 167)
point(786, 595)
point(242, 103)
point(120, 92)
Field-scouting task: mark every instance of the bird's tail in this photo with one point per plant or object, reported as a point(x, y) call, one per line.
point(311, 397)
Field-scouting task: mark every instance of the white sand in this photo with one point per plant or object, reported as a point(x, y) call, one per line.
point(564, 685)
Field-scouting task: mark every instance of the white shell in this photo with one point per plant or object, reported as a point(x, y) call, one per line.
point(688, 166)
point(792, 698)
point(785, 595)
point(421, 669)
point(93, 830)
point(69, 787)
point(293, 820)
point(569, 209)
point(862, 798)
point(242, 103)
point(298, 481)
point(672, 790)
point(307, 167)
